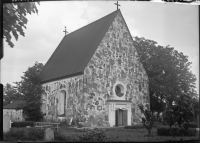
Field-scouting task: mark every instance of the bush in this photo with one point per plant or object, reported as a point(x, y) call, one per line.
point(134, 127)
point(24, 134)
point(59, 137)
point(65, 123)
point(175, 132)
point(95, 135)
point(79, 125)
point(14, 135)
point(75, 122)
point(192, 125)
point(22, 124)
point(34, 134)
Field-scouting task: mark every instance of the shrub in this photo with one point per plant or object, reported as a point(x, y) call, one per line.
point(34, 134)
point(134, 127)
point(175, 132)
point(79, 125)
point(148, 119)
point(22, 124)
point(14, 134)
point(192, 125)
point(59, 137)
point(75, 122)
point(24, 134)
point(65, 123)
point(95, 135)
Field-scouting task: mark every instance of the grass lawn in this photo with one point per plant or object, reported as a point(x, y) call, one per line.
point(121, 134)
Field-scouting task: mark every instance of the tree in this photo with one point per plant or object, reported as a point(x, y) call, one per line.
point(10, 94)
point(31, 90)
point(148, 119)
point(157, 106)
point(169, 74)
point(14, 19)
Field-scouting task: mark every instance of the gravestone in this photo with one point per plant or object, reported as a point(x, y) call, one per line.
point(49, 134)
point(6, 123)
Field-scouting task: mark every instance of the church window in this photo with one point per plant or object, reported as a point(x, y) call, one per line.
point(43, 108)
point(61, 103)
point(44, 102)
point(119, 90)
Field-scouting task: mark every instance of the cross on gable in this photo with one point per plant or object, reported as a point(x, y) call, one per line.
point(117, 5)
point(65, 31)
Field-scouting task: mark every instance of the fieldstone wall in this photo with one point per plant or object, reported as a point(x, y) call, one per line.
point(73, 88)
point(116, 60)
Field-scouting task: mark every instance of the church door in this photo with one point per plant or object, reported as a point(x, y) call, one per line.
point(121, 117)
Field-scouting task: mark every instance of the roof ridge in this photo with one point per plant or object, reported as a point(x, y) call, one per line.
point(93, 22)
point(14, 104)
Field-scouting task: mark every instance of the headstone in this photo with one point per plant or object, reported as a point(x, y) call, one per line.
point(6, 123)
point(49, 134)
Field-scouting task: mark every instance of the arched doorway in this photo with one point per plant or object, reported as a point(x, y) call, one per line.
point(61, 103)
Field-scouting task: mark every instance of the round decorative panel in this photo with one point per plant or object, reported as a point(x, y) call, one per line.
point(119, 90)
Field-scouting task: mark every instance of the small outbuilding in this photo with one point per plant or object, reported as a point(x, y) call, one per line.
point(13, 110)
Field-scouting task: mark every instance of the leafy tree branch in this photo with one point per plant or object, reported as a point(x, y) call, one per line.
point(14, 19)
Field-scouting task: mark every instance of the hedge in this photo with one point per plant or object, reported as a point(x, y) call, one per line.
point(134, 127)
point(192, 125)
point(33, 134)
point(175, 132)
point(24, 134)
point(22, 124)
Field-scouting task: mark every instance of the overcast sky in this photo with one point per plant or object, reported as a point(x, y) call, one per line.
point(168, 24)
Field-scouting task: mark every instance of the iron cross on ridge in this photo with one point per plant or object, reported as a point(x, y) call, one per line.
point(65, 31)
point(117, 5)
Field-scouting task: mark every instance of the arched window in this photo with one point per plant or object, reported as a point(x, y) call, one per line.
point(61, 102)
point(44, 100)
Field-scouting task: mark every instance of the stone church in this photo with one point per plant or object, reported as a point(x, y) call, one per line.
point(95, 75)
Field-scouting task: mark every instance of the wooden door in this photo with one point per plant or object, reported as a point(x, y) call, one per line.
point(116, 117)
point(119, 117)
point(124, 117)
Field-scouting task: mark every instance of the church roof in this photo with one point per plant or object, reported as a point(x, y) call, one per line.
point(14, 104)
point(76, 49)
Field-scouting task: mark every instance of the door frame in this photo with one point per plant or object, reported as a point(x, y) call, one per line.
point(117, 116)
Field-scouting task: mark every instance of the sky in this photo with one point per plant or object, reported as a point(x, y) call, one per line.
point(166, 23)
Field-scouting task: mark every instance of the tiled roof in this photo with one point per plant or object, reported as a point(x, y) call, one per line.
point(76, 49)
point(14, 104)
